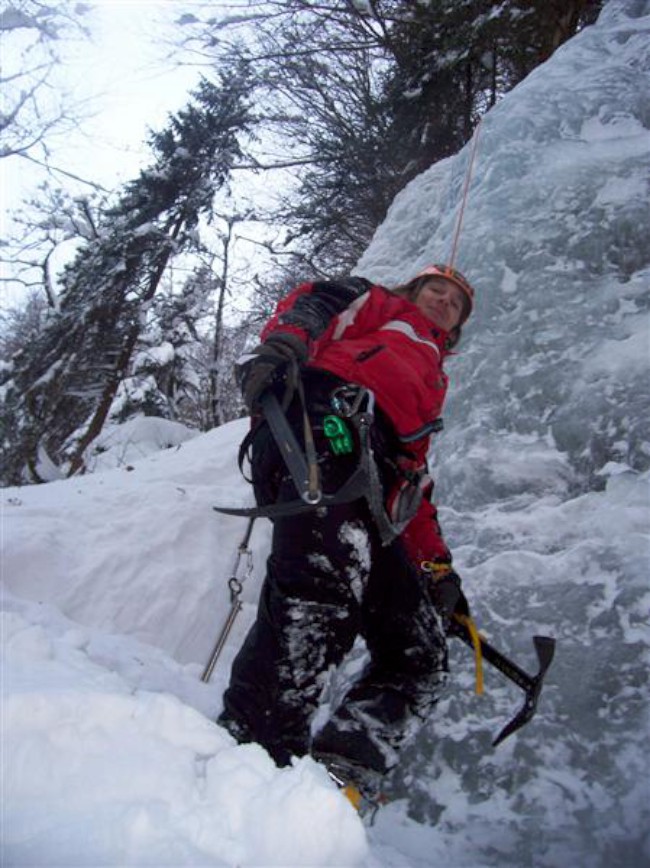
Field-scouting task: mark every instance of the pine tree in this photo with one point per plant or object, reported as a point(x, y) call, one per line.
point(165, 371)
point(61, 387)
point(452, 60)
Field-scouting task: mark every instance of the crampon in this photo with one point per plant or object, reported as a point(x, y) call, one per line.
point(360, 787)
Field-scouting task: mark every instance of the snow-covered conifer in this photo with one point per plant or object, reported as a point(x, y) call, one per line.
point(65, 381)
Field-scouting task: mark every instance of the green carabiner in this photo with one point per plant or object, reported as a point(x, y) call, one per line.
point(338, 433)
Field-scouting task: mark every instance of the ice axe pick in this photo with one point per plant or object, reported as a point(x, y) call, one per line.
point(530, 684)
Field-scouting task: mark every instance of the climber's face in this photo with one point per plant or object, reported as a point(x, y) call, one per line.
point(442, 302)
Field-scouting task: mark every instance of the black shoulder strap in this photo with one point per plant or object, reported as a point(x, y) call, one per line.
point(245, 445)
point(364, 481)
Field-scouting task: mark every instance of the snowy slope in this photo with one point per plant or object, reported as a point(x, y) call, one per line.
point(109, 751)
point(114, 585)
point(110, 754)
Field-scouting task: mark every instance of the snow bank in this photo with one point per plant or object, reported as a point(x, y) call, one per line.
point(98, 773)
point(121, 445)
point(136, 550)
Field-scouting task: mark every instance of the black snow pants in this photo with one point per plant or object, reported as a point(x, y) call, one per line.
point(329, 579)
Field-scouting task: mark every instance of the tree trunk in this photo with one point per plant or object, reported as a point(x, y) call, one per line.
point(216, 416)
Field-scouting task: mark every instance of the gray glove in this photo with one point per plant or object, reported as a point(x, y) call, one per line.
point(276, 360)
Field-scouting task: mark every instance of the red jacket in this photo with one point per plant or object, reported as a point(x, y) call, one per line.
point(379, 340)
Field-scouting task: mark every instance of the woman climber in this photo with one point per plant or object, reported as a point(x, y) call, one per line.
point(357, 371)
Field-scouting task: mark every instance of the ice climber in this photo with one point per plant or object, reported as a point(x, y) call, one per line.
point(375, 566)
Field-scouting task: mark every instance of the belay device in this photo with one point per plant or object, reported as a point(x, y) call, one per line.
point(338, 434)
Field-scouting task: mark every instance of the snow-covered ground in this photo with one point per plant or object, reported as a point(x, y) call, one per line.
point(110, 756)
point(115, 584)
point(110, 753)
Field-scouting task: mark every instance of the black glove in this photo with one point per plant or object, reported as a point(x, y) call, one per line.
point(257, 370)
point(446, 593)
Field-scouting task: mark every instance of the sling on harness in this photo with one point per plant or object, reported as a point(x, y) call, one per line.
point(364, 482)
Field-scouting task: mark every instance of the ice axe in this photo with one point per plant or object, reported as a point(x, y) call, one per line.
point(530, 684)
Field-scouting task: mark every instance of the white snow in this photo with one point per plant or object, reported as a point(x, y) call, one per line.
point(114, 585)
point(119, 445)
point(154, 357)
point(111, 755)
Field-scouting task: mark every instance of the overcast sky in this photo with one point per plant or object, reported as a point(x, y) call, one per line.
point(125, 79)
point(121, 78)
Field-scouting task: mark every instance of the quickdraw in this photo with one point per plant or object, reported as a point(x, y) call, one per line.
point(235, 586)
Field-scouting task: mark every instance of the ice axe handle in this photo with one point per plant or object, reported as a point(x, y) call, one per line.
point(530, 684)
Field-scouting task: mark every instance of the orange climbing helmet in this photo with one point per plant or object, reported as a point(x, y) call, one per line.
point(456, 278)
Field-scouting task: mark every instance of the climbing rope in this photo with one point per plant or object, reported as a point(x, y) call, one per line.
point(468, 178)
